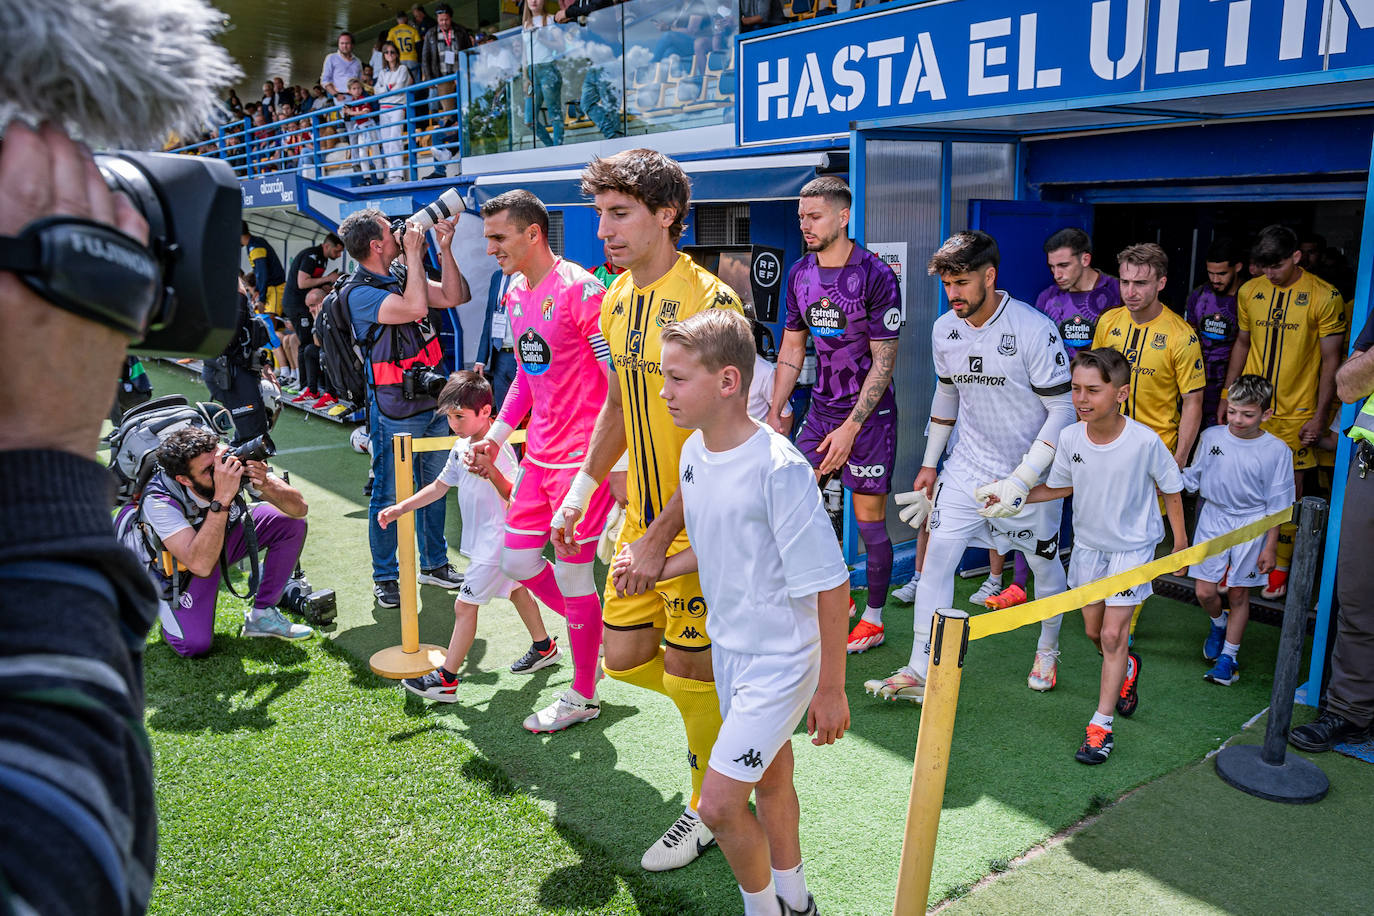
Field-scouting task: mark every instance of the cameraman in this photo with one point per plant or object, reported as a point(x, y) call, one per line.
point(192, 503)
point(78, 823)
point(390, 312)
point(232, 378)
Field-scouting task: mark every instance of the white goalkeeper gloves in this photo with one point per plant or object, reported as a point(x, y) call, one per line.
point(916, 506)
point(1011, 491)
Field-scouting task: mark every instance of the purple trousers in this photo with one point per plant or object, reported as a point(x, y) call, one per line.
point(189, 625)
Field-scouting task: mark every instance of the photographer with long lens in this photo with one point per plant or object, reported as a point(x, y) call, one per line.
point(389, 305)
point(194, 506)
point(234, 377)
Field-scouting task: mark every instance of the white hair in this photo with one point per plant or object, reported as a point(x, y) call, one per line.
point(117, 73)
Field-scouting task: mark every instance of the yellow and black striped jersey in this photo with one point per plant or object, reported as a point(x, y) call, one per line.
point(1286, 327)
point(631, 319)
point(1166, 364)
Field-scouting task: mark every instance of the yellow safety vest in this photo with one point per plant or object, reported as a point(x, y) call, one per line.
point(1363, 430)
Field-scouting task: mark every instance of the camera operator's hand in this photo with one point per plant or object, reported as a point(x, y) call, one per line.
point(227, 472)
point(257, 472)
point(413, 242)
point(46, 173)
point(444, 232)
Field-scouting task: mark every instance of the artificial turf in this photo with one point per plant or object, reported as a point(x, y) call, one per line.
point(292, 779)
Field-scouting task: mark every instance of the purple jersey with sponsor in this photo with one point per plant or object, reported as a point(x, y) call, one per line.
point(843, 308)
point(1213, 314)
point(1075, 314)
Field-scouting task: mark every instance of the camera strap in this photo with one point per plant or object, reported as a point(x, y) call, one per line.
point(250, 541)
point(87, 268)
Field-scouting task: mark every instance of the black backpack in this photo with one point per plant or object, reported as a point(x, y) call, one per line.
point(342, 353)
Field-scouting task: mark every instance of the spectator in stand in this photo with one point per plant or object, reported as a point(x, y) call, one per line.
point(362, 127)
point(295, 133)
point(439, 58)
point(315, 99)
point(1211, 309)
point(235, 106)
point(760, 14)
point(375, 61)
point(339, 68)
point(369, 78)
point(421, 20)
point(600, 99)
point(406, 38)
point(544, 87)
point(393, 77)
point(269, 100)
point(264, 148)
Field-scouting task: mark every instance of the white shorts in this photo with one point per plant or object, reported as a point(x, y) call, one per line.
point(483, 582)
point(1087, 565)
point(762, 698)
point(1239, 564)
point(1034, 531)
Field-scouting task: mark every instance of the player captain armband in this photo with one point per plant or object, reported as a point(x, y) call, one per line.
point(89, 269)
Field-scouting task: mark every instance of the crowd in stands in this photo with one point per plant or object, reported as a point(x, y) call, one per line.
point(335, 128)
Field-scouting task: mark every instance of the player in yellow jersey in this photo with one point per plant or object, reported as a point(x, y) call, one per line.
point(406, 38)
point(1292, 325)
point(641, 198)
point(1167, 378)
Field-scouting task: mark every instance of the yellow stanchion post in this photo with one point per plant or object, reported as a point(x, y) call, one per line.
point(411, 658)
point(947, 646)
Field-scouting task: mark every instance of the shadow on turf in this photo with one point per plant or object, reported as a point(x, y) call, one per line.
point(216, 692)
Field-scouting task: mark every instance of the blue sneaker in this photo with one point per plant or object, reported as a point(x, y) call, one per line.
point(272, 623)
point(1225, 672)
point(1216, 639)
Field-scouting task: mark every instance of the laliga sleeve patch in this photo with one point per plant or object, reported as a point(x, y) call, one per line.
point(89, 269)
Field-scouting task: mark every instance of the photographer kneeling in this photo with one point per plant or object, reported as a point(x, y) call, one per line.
point(192, 504)
point(389, 305)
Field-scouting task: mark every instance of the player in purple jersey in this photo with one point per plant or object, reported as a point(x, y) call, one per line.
point(1080, 293)
point(1211, 309)
point(847, 299)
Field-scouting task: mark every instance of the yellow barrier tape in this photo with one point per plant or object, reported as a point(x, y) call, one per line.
point(1036, 611)
point(444, 443)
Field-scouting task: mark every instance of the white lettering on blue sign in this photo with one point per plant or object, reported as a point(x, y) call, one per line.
point(955, 55)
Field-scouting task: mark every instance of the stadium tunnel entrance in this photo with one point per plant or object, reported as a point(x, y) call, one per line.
point(1179, 172)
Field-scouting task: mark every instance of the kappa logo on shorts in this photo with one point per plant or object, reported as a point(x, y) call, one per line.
point(689, 633)
point(467, 591)
point(687, 475)
point(1125, 593)
point(1008, 345)
point(975, 364)
point(1216, 450)
point(868, 470)
point(1047, 549)
point(751, 758)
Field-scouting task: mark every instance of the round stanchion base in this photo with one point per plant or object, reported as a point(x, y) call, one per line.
point(1296, 781)
point(398, 664)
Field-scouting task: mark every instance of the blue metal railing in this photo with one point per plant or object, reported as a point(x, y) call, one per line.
point(628, 69)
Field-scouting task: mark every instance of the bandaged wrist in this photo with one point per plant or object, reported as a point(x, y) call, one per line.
point(580, 493)
point(499, 432)
point(935, 444)
point(1034, 463)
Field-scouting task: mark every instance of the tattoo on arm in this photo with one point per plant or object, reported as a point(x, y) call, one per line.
point(878, 378)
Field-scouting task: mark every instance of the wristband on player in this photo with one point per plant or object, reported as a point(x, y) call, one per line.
point(499, 432)
point(935, 443)
point(579, 493)
point(1034, 463)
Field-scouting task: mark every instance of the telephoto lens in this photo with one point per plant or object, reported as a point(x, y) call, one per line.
point(450, 203)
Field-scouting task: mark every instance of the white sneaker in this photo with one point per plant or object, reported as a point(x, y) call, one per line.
point(1044, 671)
point(903, 684)
point(985, 591)
point(907, 593)
point(687, 839)
point(569, 709)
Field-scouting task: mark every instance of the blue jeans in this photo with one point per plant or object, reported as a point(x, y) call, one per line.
point(546, 92)
point(501, 372)
point(601, 103)
point(429, 524)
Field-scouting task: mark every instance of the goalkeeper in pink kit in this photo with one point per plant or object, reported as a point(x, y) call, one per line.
point(554, 308)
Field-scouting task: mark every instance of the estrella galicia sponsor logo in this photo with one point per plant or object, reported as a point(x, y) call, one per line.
point(1077, 331)
point(1216, 326)
point(535, 353)
point(1008, 345)
point(751, 758)
point(868, 471)
point(825, 318)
